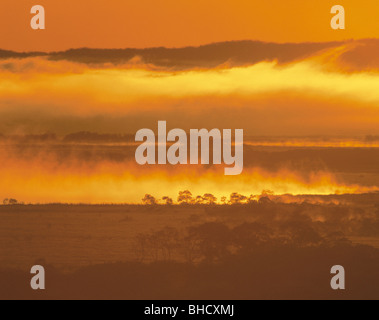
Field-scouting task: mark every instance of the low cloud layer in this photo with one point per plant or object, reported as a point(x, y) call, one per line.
point(266, 90)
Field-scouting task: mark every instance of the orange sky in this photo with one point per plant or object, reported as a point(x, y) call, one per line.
point(173, 23)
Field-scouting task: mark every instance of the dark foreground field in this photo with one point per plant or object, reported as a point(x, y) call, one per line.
point(262, 250)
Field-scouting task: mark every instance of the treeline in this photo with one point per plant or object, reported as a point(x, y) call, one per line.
point(187, 198)
point(10, 202)
point(214, 242)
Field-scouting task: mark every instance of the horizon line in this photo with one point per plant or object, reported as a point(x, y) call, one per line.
point(187, 47)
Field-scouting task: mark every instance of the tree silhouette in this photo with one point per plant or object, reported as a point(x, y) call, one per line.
point(149, 200)
point(158, 246)
point(185, 197)
point(236, 198)
point(252, 199)
point(10, 201)
point(209, 199)
point(248, 236)
point(199, 200)
point(168, 201)
point(212, 240)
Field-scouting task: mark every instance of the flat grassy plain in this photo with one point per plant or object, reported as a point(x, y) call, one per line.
point(265, 249)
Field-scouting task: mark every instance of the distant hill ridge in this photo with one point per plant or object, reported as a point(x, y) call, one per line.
point(241, 51)
point(361, 54)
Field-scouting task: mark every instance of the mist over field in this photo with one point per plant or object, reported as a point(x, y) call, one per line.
point(75, 201)
point(76, 167)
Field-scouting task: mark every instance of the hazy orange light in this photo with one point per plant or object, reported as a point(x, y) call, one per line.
point(147, 23)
